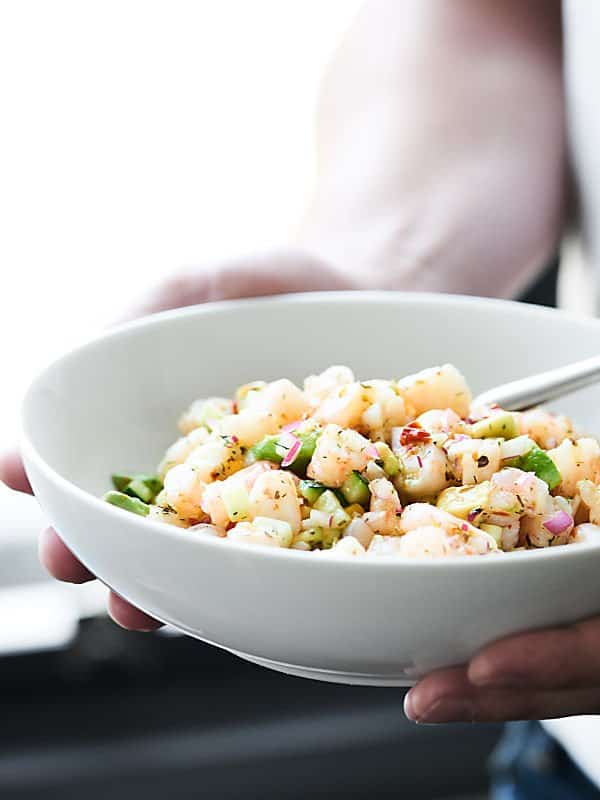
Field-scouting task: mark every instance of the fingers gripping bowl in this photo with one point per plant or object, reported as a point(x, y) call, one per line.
point(326, 615)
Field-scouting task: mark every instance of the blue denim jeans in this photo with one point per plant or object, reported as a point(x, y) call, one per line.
point(528, 764)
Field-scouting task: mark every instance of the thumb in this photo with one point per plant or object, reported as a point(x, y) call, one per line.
point(258, 275)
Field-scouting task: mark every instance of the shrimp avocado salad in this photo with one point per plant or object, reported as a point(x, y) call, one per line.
point(407, 467)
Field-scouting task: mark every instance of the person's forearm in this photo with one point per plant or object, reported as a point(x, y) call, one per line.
point(441, 152)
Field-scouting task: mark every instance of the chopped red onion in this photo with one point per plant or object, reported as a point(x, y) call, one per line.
point(558, 523)
point(293, 451)
point(372, 451)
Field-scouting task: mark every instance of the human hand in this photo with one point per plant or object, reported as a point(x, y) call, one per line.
point(539, 675)
point(274, 273)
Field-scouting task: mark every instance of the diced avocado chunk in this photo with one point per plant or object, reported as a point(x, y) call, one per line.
point(356, 489)
point(307, 449)
point(462, 501)
point(313, 537)
point(499, 426)
point(311, 490)
point(391, 464)
point(136, 488)
point(329, 504)
point(329, 537)
point(141, 485)
point(121, 482)
point(127, 503)
point(270, 449)
point(266, 450)
point(278, 528)
point(539, 462)
point(153, 482)
point(318, 538)
point(236, 502)
point(495, 531)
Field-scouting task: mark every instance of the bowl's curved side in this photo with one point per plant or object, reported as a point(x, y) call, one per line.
point(389, 620)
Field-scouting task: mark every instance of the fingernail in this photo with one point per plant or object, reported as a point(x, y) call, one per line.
point(409, 707)
point(447, 709)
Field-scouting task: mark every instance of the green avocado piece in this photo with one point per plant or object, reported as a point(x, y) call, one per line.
point(539, 462)
point(127, 503)
point(498, 426)
point(311, 490)
point(356, 490)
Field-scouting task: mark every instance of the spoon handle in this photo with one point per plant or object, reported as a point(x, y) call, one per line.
point(527, 392)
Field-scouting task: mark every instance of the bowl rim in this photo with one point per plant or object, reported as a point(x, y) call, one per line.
point(395, 563)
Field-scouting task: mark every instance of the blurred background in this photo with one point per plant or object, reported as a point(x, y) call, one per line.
point(133, 143)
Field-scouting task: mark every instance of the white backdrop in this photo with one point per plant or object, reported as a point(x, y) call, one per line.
point(138, 136)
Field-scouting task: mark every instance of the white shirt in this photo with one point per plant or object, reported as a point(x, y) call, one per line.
point(580, 736)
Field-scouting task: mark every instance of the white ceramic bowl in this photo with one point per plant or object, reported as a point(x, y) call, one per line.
point(112, 404)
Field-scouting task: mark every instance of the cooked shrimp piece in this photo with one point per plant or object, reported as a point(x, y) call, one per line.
point(438, 387)
point(180, 450)
point(167, 515)
point(440, 421)
point(510, 536)
point(384, 545)
point(514, 491)
point(347, 546)
point(547, 430)
point(183, 491)
point(248, 533)
point(386, 409)
point(589, 494)
point(433, 542)
point(359, 529)
point(318, 387)
point(474, 460)
point(204, 413)
point(207, 529)
point(343, 406)
point(216, 459)
point(425, 471)
point(248, 427)
point(576, 461)
point(338, 452)
point(423, 515)
point(547, 530)
point(274, 495)
point(587, 532)
point(215, 495)
point(385, 508)
point(281, 400)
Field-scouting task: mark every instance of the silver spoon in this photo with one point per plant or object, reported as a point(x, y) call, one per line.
point(527, 392)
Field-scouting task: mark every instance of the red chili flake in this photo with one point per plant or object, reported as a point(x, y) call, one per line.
point(420, 462)
point(413, 433)
point(235, 407)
